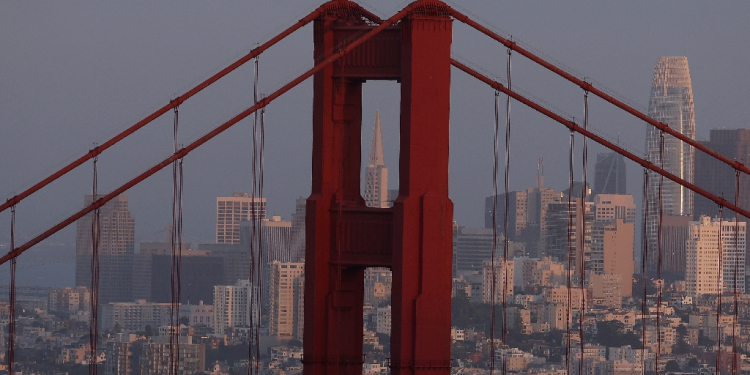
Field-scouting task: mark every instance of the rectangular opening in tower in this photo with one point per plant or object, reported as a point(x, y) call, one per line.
point(380, 142)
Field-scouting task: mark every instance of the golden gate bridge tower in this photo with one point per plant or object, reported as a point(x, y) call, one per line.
point(414, 238)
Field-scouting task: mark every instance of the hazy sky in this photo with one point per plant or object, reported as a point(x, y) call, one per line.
point(75, 73)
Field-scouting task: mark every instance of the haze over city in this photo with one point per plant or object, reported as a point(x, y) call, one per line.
point(75, 74)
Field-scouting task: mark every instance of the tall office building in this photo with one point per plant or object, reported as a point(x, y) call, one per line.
point(283, 318)
point(116, 249)
point(471, 248)
point(719, 178)
point(230, 211)
point(671, 102)
point(376, 174)
point(277, 238)
point(703, 246)
point(609, 175)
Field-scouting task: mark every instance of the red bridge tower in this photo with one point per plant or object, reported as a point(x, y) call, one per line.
point(414, 238)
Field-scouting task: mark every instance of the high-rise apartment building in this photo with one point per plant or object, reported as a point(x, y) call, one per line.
point(503, 276)
point(612, 252)
point(609, 174)
point(565, 231)
point(376, 174)
point(235, 305)
point(230, 211)
point(116, 249)
point(708, 240)
point(719, 178)
point(671, 102)
point(283, 317)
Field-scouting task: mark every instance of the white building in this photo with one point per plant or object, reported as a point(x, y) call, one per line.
point(704, 250)
point(233, 305)
point(135, 316)
point(230, 211)
point(198, 315)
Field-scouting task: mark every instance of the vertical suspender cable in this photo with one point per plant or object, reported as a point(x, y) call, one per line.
point(176, 240)
point(495, 168)
point(256, 268)
point(569, 309)
point(261, 255)
point(12, 297)
point(505, 272)
point(644, 268)
point(95, 234)
point(660, 282)
point(735, 321)
point(719, 287)
point(582, 242)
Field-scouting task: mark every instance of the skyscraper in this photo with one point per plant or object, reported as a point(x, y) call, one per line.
point(718, 177)
point(116, 249)
point(230, 211)
point(609, 177)
point(671, 102)
point(376, 175)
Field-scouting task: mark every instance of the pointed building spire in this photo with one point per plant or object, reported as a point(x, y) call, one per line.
point(376, 148)
point(376, 174)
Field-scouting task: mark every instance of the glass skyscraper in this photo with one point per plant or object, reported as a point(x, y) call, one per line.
point(671, 102)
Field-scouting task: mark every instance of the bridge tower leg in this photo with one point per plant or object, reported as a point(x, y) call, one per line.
point(414, 238)
point(423, 213)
